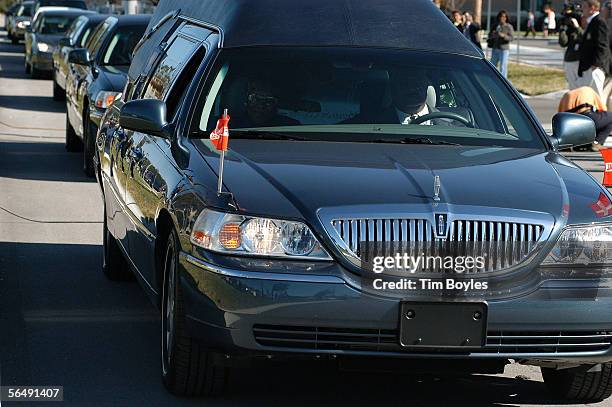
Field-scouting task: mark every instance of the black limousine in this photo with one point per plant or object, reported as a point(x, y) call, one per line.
point(356, 136)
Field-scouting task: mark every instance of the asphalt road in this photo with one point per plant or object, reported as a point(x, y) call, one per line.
point(63, 323)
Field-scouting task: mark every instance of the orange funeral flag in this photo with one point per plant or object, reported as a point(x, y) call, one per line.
point(220, 135)
point(607, 156)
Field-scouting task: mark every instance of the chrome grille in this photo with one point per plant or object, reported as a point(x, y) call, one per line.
point(505, 243)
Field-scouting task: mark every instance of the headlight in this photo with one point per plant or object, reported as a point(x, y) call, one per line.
point(104, 99)
point(587, 245)
point(43, 47)
point(247, 235)
point(23, 24)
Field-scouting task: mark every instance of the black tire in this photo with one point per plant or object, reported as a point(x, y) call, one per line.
point(58, 93)
point(73, 144)
point(188, 368)
point(14, 40)
point(89, 142)
point(37, 73)
point(578, 384)
point(114, 265)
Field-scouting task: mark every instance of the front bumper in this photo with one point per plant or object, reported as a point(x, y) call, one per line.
point(253, 314)
point(43, 61)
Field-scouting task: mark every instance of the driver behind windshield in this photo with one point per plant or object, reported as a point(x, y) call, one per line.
point(409, 91)
point(261, 107)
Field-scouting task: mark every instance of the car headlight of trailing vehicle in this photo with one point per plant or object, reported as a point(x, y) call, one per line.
point(584, 245)
point(43, 47)
point(254, 236)
point(105, 98)
point(23, 24)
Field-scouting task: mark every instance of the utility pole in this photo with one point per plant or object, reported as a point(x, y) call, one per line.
point(518, 31)
point(478, 11)
point(131, 6)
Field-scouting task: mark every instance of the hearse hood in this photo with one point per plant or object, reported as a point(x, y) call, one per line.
point(294, 180)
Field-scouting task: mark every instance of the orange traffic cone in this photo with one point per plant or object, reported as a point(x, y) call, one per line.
point(607, 156)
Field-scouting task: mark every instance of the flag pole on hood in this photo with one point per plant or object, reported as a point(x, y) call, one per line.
point(220, 138)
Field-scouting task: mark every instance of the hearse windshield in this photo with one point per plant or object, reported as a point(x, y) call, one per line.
point(364, 95)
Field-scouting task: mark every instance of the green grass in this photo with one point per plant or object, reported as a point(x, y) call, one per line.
point(532, 80)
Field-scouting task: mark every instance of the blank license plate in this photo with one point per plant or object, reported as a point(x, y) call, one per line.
point(443, 324)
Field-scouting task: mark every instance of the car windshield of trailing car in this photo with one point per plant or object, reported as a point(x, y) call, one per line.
point(64, 3)
point(25, 11)
point(55, 24)
point(120, 48)
point(363, 95)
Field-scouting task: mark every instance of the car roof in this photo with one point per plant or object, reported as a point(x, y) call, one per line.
point(54, 10)
point(132, 19)
point(405, 24)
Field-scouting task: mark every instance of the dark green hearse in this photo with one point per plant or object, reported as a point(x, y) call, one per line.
point(383, 125)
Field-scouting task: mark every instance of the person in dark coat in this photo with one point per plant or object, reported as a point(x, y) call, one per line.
point(471, 29)
point(594, 49)
point(570, 37)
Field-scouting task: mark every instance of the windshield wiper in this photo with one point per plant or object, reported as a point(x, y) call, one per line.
point(265, 135)
point(418, 140)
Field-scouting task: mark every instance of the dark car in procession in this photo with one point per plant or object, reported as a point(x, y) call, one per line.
point(42, 37)
point(98, 75)
point(353, 135)
point(76, 37)
point(18, 22)
point(80, 4)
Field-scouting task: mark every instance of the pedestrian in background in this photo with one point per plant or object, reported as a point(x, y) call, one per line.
point(586, 101)
point(530, 25)
point(471, 29)
point(499, 41)
point(550, 21)
point(457, 19)
point(570, 37)
point(594, 49)
point(606, 15)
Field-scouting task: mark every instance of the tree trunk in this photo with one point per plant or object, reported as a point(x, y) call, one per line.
point(478, 11)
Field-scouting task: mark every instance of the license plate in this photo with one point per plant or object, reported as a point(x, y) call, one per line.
point(443, 324)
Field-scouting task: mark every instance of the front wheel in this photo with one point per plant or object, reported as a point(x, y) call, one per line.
point(89, 142)
point(114, 265)
point(188, 368)
point(58, 92)
point(579, 384)
point(72, 140)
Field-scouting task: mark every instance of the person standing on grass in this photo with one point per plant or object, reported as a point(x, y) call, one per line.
point(570, 37)
point(471, 29)
point(530, 25)
point(594, 49)
point(499, 41)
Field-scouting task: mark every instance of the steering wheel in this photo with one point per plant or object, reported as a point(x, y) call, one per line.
point(442, 115)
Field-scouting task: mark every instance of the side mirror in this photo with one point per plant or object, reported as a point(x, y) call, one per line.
point(65, 42)
point(79, 56)
point(145, 116)
point(570, 129)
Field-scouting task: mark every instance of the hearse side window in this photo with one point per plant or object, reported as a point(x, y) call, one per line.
point(360, 95)
point(180, 86)
point(94, 43)
point(169, 68)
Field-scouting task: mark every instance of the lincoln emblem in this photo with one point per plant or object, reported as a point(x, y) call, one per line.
point(437, 185)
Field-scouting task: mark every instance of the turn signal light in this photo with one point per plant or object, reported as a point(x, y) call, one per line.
point(230, 236)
